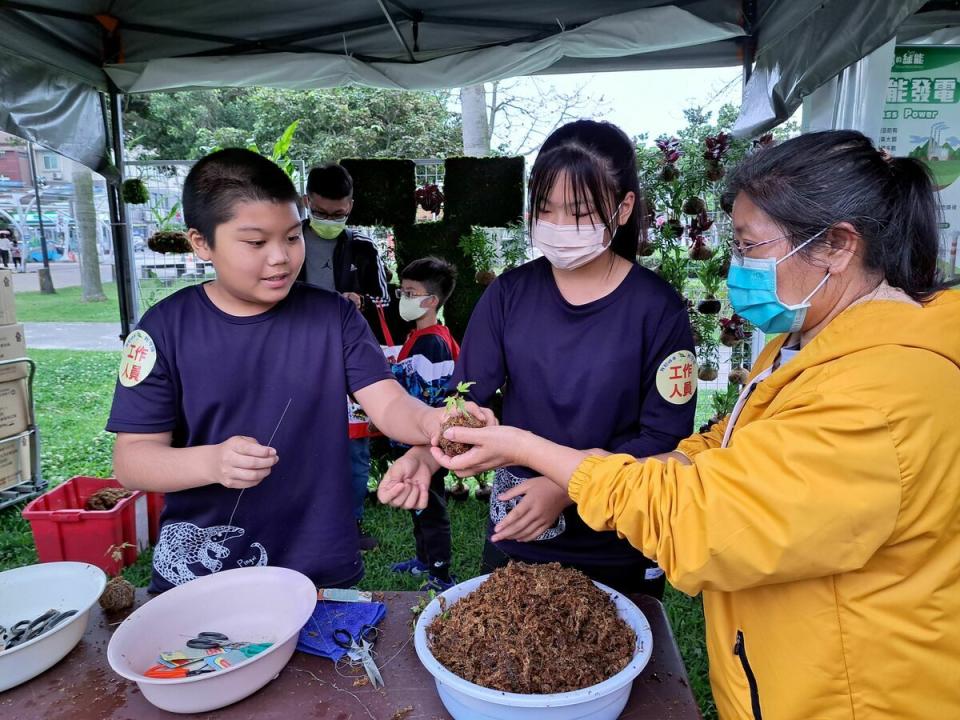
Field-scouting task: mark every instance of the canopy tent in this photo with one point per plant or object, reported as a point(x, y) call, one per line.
point(59, 57)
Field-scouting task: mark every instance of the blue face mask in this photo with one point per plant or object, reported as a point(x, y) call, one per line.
point(752, 285)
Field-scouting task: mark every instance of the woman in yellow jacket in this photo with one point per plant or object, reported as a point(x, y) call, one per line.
point(821, 520)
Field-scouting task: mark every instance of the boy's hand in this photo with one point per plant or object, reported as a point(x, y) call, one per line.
point(539, 509)
point(241, 462)
point(406, 483)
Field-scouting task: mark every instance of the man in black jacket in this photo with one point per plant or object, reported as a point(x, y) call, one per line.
point(339, 258)
point(344, 261)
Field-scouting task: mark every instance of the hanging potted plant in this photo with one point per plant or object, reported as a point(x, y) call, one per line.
point(430, 198)
point(674, 267)
point(699, 247)
point(715, 153)
point(477, 246)
point(733, 330)
point(708, 369)
point(739, 376)
point(169, 236)
point(134, 192)
point(712, 280)
point(722, 402)
point(670, 149)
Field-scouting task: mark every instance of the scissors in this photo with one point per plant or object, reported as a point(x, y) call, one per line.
point(368, 635)
point(209, 641)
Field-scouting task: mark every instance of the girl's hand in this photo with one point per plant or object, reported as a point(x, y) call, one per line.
point(493, 446)
point(437, 416)
point(539, 509)
point(406, 483)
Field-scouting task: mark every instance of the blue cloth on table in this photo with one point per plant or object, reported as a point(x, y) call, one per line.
point(316, 637)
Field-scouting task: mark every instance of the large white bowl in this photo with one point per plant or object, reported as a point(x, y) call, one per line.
point(467, 701)
point(255, 604)
point(28, 592)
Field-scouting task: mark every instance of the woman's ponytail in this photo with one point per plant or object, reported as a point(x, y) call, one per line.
point(907, 248)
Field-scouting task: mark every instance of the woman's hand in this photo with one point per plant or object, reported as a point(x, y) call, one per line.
point(406, 483)
point(493, 446)
point(539, 509)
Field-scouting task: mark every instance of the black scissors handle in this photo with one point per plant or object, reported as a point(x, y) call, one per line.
point(343, 638)
point(369, 633)
point(208, 641)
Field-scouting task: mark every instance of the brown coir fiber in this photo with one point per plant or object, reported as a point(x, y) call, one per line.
point(533, 629)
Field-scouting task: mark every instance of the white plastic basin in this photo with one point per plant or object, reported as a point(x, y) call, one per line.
point(468, 701)
point(28, 592)
point(255, 604)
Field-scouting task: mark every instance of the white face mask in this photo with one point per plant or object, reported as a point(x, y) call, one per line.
point(568, 247)
point(410, 309)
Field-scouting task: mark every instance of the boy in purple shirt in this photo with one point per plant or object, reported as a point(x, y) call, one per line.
point(237, 387)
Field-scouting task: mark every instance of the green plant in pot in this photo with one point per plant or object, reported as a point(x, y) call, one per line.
point(515, 247)
point(482, 253)
point(169, 237)
point(708, 360)
point(712, 280)
point(722, 403)
point(134, 192)
point(674, 267)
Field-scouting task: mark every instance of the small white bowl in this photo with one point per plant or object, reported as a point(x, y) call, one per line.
point(28, 592)
point(254, 604)
point(468, 701)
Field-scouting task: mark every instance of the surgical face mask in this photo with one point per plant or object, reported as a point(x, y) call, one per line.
point(568, 247)
point(410, 309)
point(752, 286)
point(328, 229)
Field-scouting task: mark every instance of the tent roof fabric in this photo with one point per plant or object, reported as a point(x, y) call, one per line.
point(57, 54)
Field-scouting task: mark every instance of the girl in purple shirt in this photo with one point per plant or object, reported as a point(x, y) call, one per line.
point(588, 348)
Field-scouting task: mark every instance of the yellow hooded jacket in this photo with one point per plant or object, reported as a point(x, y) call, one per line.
point(826, 537)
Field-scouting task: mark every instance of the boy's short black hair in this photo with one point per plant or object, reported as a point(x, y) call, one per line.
point(437, 275)
point(330, 181)
point(222, 179)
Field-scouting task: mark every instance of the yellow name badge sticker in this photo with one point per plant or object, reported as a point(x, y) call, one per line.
point(138, 359)
point(677, 377)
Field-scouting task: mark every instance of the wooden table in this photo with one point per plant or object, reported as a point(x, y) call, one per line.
point(83, 687)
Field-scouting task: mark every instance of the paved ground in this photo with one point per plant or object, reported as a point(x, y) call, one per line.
point(73, 336)
point(64, 274)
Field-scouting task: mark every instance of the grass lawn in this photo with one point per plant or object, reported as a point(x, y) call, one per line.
point(66, 304)
point(73, 391)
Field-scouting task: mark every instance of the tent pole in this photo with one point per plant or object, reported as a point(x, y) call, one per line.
point(750, 41)
point(122, 255)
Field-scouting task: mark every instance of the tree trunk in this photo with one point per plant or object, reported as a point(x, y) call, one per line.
point(476, 129)
point(92, 290)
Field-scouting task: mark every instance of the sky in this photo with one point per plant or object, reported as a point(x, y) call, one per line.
point(649, 101)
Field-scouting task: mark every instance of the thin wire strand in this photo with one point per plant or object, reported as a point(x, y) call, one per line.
point(269, 443)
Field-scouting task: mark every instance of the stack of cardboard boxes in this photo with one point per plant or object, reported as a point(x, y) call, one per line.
point(15, 400)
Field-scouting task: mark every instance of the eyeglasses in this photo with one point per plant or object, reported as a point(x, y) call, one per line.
point(409, 295)
point(738, 250)
point(318, 215)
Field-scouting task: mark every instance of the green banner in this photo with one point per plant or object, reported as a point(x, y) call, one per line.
point(921, 119)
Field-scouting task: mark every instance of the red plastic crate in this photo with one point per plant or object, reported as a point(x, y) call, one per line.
point(63, 530)
point(155, 502)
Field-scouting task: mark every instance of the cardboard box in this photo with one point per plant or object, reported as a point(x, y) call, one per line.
point(8, 308)
point(14, 408)
point(13, 344)
point(15, 462)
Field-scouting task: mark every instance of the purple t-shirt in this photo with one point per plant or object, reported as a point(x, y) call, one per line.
point(216, 375)
point(584, 376)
